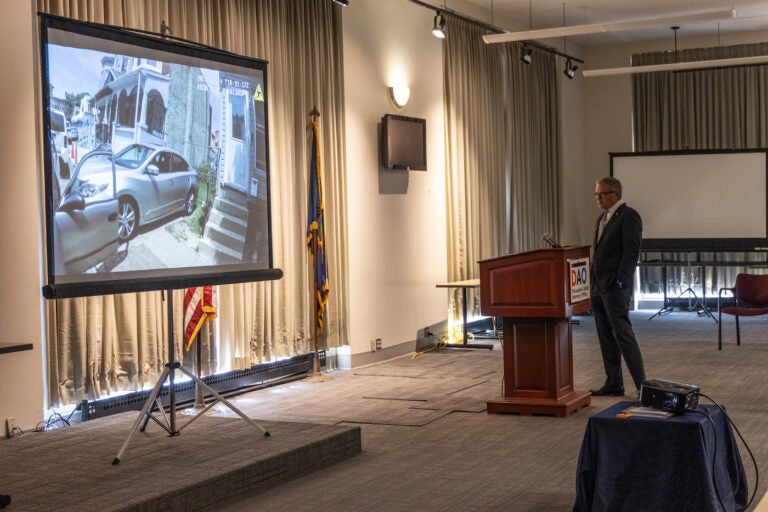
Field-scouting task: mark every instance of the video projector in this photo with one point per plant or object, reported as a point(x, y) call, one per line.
point(674, 397)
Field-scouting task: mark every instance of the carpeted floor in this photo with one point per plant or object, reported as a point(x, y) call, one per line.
point(215, 458)
point(428, 444)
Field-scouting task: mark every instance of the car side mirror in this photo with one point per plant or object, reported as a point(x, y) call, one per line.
point(72, 202)
point(153, 169)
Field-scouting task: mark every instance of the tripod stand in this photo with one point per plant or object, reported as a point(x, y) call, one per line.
point(168, 422)
point(694, 302)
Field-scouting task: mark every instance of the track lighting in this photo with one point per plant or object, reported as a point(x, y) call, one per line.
point(438, 27)
point(680, 66)
point(607, 27)
point(570, 69)
point(526, 54)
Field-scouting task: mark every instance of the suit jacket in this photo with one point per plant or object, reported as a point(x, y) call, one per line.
point(615, 255)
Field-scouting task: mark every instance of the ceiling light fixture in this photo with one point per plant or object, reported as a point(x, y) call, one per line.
point(526, 53)
point(438, 27)
point(680, 66)
point(341, 2)
point(490, 28)
point(579, 30)
point(570, 69)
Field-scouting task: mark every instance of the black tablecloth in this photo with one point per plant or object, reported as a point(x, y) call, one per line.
point(660, 464)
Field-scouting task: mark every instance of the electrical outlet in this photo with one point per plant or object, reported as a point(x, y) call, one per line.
point(373, 344)
point(378, 343)
point(10, 426)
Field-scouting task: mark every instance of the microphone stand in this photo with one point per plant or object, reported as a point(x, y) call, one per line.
point(551, 241)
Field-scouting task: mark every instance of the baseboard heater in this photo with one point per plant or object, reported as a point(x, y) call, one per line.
point(263, 374)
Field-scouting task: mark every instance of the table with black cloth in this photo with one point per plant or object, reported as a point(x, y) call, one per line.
point(660, 464)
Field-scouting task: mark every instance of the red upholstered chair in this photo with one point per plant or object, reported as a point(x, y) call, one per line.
point(750, 298)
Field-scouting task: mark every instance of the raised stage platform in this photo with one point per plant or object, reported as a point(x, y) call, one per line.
point(212, 460)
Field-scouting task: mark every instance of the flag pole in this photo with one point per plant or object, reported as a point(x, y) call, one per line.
point(199, 395)
point(317, 373)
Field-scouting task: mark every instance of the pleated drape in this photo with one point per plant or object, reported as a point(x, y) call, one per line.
point(102, 345)
point(501, 151)
point(722, 108)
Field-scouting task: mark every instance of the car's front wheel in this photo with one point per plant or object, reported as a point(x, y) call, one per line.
point(127, 215)
point(190, 203)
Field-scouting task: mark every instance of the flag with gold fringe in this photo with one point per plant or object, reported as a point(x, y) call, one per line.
point(199, 307)
point(316, 230)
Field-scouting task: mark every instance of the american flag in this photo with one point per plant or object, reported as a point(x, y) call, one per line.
point(199, 307)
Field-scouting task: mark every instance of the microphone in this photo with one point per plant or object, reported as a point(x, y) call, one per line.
point(547, 237)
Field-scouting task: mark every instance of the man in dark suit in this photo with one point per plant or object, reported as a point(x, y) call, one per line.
point(618, 234)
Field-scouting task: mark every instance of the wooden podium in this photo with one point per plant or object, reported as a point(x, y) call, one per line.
point(536, 293)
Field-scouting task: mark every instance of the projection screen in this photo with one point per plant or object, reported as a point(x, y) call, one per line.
point(697, 201)
point(156, 164)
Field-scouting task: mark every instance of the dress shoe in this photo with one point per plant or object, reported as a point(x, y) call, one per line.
point(607, 391)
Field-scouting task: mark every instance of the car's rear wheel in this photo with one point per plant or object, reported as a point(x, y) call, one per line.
point(127, 215)
point(190, 203)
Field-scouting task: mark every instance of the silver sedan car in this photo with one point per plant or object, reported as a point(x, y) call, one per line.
point(152, 183)
point(148, 183)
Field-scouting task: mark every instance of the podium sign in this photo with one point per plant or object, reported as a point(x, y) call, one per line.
point(579, 279)
point(536, 293)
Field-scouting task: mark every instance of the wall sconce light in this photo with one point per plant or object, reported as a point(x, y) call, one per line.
point(570, 69)
point(438, 27)
point(399, 95)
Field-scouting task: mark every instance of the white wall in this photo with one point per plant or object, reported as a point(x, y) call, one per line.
point(397, 225)
point(21, 374)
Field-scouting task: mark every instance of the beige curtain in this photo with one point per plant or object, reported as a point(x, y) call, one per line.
point(532, 145)
point(102, 345)
point(501, 151)
point(722, 108)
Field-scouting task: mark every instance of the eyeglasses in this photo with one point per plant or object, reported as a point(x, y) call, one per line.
point(601, 195)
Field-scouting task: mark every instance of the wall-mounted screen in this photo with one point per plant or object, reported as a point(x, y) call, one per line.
point(403, 142)
point(698, 200)
point(155, 160)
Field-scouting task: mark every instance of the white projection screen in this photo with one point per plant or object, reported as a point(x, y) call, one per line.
point(697, 201)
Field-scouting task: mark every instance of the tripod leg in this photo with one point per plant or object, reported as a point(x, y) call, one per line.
point(144, 412)
point(165, 424)
point(149, 414)
point(224, 401)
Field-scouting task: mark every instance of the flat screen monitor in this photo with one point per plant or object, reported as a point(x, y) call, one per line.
point(404, 143)
point(698, 200)
point(156, 164)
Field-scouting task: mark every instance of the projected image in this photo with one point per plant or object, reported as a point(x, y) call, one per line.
point(156, 160)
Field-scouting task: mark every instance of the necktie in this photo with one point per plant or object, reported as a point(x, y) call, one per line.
point(601, 226)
